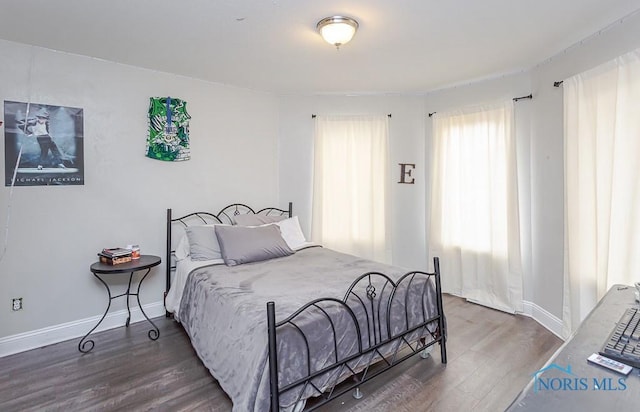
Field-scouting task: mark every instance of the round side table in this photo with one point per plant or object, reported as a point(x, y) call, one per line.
point(145, 262)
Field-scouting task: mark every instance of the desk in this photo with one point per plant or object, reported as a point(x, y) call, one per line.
point(98, 268)
point(587, 387)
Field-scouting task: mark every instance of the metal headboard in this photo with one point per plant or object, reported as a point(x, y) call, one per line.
point(224, 216)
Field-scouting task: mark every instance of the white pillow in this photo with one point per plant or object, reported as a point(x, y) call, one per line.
point(182, 250)
point(291, 232)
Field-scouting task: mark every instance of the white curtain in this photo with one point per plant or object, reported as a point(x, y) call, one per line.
point(350, 185)
point(474, 223)
point(602, 183)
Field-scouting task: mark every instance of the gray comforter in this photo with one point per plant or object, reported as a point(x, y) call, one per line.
point(223, 310)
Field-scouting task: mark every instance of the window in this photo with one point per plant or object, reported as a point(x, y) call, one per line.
point(474, 205)
point(350, 185)
point(602, 199)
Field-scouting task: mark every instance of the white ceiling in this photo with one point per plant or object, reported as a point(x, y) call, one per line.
point(402, 46)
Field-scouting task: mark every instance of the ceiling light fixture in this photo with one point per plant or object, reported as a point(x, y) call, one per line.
point(337, 30)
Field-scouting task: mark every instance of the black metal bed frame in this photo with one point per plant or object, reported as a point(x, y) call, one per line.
point(380, 349)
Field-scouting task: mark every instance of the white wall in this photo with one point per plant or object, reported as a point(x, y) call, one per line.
point(539, 145)
point(410, 136)
point(55, 232)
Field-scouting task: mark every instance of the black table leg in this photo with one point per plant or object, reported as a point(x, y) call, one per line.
point(155, 332)
point(82, 344)
point(128, 294)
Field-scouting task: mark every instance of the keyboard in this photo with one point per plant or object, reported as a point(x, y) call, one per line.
point(623, 344)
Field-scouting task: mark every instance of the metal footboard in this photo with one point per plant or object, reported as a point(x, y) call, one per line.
point(384, 337)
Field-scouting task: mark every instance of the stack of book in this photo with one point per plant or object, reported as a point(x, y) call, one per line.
point(115, 256)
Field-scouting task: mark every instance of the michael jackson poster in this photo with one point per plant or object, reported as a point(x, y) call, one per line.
point(43, 145)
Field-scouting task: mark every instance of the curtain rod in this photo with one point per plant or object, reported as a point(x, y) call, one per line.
point(558, 84)
point(530, 96)
point(313, 116)
point(515, 99)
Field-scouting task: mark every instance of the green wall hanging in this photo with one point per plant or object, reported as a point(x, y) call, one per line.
point(168, 129)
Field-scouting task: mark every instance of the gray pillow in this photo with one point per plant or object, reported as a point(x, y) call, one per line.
point(240, 244)
point(203, 243)
point(256, 220)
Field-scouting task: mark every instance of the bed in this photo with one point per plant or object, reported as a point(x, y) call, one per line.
point(284, 324)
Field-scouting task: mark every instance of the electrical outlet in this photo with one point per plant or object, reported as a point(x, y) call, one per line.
point(17, 304)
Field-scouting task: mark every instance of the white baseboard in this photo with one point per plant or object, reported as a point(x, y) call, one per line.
point(546, 319)
point(76, 329)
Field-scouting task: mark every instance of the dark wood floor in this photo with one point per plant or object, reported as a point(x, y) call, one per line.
point(491, 357)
